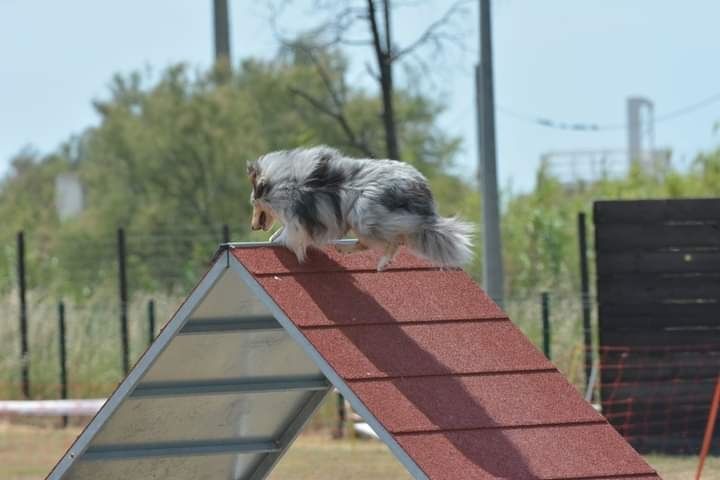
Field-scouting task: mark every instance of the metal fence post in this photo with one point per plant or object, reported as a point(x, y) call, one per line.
point(151, 321)
point(24, 353)
point(63, 357)
point(341, 417)
point(122, 280)
point(585, 296)
point(545, 302)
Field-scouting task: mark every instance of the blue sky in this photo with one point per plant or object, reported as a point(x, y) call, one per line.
point(569, 60)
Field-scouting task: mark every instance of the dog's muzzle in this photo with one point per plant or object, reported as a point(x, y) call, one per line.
point(261, 224)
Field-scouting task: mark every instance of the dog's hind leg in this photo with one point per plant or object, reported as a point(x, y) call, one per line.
point(390, 252)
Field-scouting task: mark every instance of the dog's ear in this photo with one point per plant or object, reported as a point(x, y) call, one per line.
point(252, 171)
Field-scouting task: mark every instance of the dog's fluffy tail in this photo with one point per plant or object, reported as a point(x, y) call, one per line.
point(446, 242)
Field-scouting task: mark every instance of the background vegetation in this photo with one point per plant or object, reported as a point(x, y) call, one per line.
point(166, 161)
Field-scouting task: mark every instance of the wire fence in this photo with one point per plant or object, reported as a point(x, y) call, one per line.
point(113, 292)
point(659, 397)
point(82, 346)
point(126, 287)
point(553, 321)
point(93, 340)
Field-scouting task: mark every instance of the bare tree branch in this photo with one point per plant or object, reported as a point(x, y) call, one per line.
point(337, 116)
point(337, 95)
point(338, 99)
point(355, 42)
point(433, 33)
point(371, 72)
point(325, 77)
point(327, 34)
point(338, 30)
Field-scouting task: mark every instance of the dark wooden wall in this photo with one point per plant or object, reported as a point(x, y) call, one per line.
point(658, 287)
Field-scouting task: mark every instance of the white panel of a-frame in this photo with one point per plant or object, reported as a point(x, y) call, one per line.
point(221, 393)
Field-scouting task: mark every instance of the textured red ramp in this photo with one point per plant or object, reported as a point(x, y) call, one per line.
point(442, 368)
point(421, 403)
point(381, 301)
point(570, 451)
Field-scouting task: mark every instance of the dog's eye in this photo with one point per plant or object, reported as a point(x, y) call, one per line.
point(260, 189)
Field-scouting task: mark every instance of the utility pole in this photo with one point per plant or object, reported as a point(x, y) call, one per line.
point(393, 151)
point(492, 246)
point(222, 30)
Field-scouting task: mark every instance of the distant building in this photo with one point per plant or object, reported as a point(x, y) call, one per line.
point(640, 131)
point(587, 166)
point(69, 196)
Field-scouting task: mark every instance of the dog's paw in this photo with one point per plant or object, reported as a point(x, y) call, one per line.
point(383, 264)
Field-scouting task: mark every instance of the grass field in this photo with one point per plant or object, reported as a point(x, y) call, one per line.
point(28, 453)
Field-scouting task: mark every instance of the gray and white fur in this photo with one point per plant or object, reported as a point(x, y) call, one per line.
point(319, 195)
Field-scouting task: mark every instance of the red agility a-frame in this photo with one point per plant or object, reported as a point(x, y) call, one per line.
point(430, 362)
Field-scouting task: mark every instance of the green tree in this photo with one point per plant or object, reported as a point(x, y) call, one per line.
point(167, 163)
point(539, 227)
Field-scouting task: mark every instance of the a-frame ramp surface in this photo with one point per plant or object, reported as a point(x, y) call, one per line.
point(431, 363)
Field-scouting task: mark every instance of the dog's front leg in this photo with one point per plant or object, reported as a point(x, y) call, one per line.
point(294, 241)
point(298, 248)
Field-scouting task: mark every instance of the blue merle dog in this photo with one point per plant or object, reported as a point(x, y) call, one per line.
point(318, 195)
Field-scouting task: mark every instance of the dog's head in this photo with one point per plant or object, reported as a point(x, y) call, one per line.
point(263, 216)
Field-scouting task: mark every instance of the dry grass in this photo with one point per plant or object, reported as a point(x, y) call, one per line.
point(93, 339)
point(683, 468)
point(94, 356)
point(28, 453)
point(316, 457)
point(566, 336)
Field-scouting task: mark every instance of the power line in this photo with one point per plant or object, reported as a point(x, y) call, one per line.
point(598, 127)
point(688, 109)
point(560, 125)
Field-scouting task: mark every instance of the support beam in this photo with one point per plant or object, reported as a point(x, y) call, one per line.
point(218, 325)
point(179, 449)
point(290, 431)
point(238, 385)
